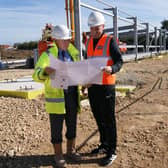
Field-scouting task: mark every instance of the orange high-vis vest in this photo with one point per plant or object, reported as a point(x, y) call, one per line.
point(102, 50)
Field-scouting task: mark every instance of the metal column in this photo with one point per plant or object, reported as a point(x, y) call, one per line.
point(135, 37)
point(155, 30)
point(115, 24)
point(160, 39)
point(115, 21)
point(135, 27)
point(78, 40)
point(164, 39)
point(147, 36)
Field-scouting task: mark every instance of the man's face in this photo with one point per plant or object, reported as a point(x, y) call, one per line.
point(62, 44)
point(96, 31)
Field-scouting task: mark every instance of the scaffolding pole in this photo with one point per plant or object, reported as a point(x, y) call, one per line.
point(155, 30)
point(160, 39)
point(78, 40)
point(147, 36)
point(115, 23)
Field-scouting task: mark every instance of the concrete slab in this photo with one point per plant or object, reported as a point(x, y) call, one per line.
point(125, 88)
point(26, 88)
point(23, 87)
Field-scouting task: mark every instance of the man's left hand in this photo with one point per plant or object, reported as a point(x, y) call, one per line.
point(107, 69)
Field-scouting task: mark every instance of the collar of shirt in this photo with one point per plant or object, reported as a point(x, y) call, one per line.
point(64, 56)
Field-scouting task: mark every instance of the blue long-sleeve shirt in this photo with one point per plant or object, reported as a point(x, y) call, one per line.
point(64, 56)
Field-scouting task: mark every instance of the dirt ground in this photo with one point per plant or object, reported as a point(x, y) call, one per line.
point(142, 123)
point(16, 54)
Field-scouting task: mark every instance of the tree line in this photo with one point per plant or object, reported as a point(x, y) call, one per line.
point(26, 45)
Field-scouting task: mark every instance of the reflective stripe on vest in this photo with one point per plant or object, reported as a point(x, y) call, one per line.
point(101, 50)
point(38, 73)
point(55, 100)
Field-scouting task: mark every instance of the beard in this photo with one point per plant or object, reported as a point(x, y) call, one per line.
point(96, 35)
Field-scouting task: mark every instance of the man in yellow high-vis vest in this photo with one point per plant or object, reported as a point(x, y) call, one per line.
point(60, 103)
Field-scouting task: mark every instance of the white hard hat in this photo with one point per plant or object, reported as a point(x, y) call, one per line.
point(95, 19)
point(61, 32)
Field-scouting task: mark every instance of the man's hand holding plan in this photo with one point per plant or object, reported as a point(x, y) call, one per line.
point(77, 73)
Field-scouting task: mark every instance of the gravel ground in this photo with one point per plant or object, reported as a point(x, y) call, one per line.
point(142, 126)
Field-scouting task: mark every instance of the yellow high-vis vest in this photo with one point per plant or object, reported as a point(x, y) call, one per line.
point(54, 97)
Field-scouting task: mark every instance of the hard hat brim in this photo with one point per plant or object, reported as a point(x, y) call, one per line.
point(62, 38)
point(99, 24)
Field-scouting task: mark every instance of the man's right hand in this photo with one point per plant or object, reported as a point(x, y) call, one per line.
point(49, 70)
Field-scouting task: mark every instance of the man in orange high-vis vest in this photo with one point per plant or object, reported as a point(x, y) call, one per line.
point(102, 97)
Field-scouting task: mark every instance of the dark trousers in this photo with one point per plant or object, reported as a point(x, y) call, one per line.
point(56, 120)
point(102, 102)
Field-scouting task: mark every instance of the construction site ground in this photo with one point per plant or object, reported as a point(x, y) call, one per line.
point(142, 123)
point(15, 54)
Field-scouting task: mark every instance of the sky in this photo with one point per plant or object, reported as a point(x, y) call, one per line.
point(23, 20)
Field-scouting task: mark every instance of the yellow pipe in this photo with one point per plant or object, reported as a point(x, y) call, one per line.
point(72, 19)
